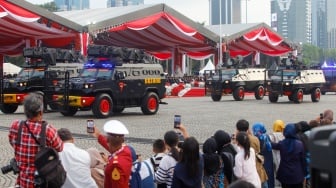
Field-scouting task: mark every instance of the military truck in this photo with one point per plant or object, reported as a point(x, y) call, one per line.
point(113, 79)
point(41, 72)
point(295, 83)
point(330, 77)
point(235, 81)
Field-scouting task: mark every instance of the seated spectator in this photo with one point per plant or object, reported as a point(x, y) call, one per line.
point(76, 162)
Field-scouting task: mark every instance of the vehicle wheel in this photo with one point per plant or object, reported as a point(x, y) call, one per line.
point(102, 106)
point(70, 111)
point(238, 93)
point(290, 97)
point(323, 92)
point(150, 104)
point(316, 95)
point(259, 93)
point(8, 108)
point(298, 96)
point(273, 97)
point(53, 106)
point(216, 97)
point(118, 109)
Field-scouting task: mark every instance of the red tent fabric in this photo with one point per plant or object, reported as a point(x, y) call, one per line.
point(20, 27)
point(260, 40)
point(159, 34)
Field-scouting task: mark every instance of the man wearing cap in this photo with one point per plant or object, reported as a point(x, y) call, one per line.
point(118, 169)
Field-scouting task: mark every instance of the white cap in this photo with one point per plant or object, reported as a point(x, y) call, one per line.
point(115, 127)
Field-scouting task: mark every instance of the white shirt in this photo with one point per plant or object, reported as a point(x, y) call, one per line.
point(76, 162)
point(245, 169)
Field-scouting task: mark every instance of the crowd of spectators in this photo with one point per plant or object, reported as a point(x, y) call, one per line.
point(250, 157)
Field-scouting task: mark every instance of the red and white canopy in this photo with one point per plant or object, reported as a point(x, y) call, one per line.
point(159, 34)
point(20, 27)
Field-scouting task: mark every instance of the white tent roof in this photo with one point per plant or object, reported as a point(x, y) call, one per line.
point(208, 66)
point(9, 68)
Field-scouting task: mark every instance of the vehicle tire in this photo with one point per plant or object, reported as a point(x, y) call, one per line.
point(118, 109)
point(239, 93)
point(323, 92)
point(102, 106)
point(8, 108)
point(150, 103)
point(216, 97)
point(298, 96)
point(273, 97)
point(316, 95)
point(53, 106)
point(70, 111)
point(290, 97)
point(259, 92)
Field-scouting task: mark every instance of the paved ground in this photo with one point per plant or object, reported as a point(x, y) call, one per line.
point(200, 115)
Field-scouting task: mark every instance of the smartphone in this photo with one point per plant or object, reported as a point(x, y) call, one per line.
point(90, 126)
point(177, 121)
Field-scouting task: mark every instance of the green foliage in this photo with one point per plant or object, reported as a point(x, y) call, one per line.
point(314, 55)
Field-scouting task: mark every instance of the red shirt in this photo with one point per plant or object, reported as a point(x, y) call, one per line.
point(118, 169)
point(26, 150)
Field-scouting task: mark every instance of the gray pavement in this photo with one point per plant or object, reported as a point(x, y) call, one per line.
point(200, 115)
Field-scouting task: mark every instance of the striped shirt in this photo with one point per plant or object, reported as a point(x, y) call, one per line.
point(156, 159)
point(165, 172)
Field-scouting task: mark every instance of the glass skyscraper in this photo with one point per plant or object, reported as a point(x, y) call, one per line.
point(230, 11)
point(67, 5)
point(292, 19)
point(119, 3)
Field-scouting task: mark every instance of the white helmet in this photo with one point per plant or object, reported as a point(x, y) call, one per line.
point(115, 127)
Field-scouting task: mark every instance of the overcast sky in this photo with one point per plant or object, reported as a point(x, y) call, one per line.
point(197, 10)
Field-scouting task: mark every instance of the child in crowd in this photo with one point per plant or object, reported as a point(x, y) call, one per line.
point(159, 149)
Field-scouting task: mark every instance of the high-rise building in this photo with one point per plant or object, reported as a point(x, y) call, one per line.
point(319, 23)
point(119, 3)
point(67, 5)
point(229, 9)
point(331, 23)
point(292, 19)
point(240, 11)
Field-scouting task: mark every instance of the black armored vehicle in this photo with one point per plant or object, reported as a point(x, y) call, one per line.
point(112, 79)
point(44, 68)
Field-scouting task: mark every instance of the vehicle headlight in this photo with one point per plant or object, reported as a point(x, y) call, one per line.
point(287, 83)
point(87, 86)
point(21, 84)
point(268, 83)
point(227, 81)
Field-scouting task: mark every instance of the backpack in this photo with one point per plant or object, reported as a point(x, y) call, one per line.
point(142, 175)
point(49, 169)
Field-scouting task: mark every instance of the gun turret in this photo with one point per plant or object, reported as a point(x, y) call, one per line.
point(51, 55)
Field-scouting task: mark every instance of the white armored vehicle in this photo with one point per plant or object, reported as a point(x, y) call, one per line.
point(236, 81)
point(295, 84)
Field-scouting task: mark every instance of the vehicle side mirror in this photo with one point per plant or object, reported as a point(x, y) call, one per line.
point(119, 76)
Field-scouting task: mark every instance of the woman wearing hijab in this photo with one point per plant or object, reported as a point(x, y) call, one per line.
point(292, 166)
point(227, 151)
point(266, 151)
point(213, 165)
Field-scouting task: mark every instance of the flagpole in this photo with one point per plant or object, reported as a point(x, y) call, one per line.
point(220, 33)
